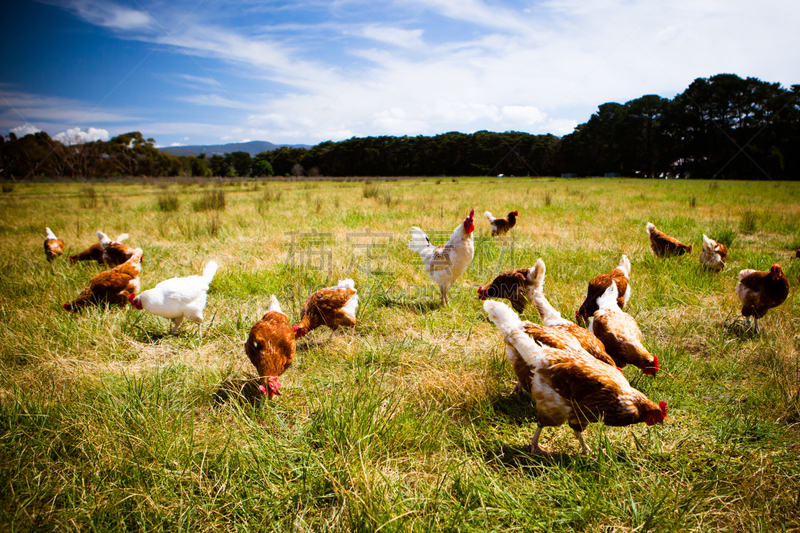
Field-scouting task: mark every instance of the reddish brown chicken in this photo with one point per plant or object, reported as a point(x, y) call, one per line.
point(118, 253)
point(553, 319)
point(111, 286)
point(331, 306)
point(114, 252)
point(760, 291)
point(620, 334)
point(663, 245)
point(714, 254)
point(512, 285)
point(599, 284)
point(501, 226)
point(53, 246)
point(571, 386)
point(92, 253)
point(271, 348)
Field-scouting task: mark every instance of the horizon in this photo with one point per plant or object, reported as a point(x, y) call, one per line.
point(288, 73)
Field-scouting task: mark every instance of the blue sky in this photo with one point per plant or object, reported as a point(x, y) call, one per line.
point(210, 72)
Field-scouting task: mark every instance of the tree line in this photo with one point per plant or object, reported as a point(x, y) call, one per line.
point(719, 127)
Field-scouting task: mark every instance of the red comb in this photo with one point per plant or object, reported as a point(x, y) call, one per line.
point(663, 406)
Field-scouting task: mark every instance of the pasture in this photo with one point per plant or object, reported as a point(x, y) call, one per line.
point(109, 423)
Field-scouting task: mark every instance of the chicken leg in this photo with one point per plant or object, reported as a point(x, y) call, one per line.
point(584, 448)
point(535, 448)
point(176, 324)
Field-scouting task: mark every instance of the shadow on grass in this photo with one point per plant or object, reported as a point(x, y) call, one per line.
point(140, 334)
point(238, 390)
point(739, 328)
point(516, 458)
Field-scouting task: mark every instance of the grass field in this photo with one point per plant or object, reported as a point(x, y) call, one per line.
point(108, 423)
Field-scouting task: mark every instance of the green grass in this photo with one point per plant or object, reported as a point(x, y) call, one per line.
point(109, 423)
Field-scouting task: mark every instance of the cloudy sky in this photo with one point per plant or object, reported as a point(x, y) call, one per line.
point(306, 71)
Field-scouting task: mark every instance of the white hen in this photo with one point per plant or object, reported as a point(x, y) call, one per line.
point(178, 299)
point(445, 263)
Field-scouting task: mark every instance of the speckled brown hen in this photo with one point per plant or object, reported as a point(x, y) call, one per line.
point(114, 252)
point(53, 246)
point(271, 348)
point(620, 334)
point(570, 386)
point(601, 282)
point(512, 285)
point(332, 306)
point(111, 286)
point(501, 226)
point(714, 254)
point(664, 245)
point(95, 251)
point(760, 291)
point(552, 318)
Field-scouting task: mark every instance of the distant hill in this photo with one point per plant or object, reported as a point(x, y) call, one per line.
point(252, 148)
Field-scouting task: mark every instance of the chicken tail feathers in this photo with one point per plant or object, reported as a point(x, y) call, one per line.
point(50, 234)
point(419, 240)
point(103, 238)
point(536, 275)
point(625, 265)
point(708, 244)
point(346, 284)
point(489, 217)
point(274, 305)
point(651, 227)
point(210, 271)
point(503, 316)
point(510, 326)
point(122, 237)
point(609, 298)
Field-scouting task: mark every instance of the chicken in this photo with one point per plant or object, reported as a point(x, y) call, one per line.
point(445, 263)
point(663, 245)
point(271, 347)
point(601, 282)
point(95, 252)
point(713, 255)
point(552, 318)
point(760, 291)
point(331, 306)
point(111, 286)
point(114, 252)
point(620, 334)
point(53, 246)
point(501, 226)
point(178, 299)
point(512, 285)
point(570, 386)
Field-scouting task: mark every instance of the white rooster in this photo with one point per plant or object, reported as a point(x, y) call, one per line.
point(445, 263)
point(178, 298)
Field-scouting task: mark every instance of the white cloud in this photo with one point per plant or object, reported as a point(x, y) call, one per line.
point(25, 129)
point(77, 136)
point(51, 113)
point(427, 67)
point(394, 36)
point(110, 15)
